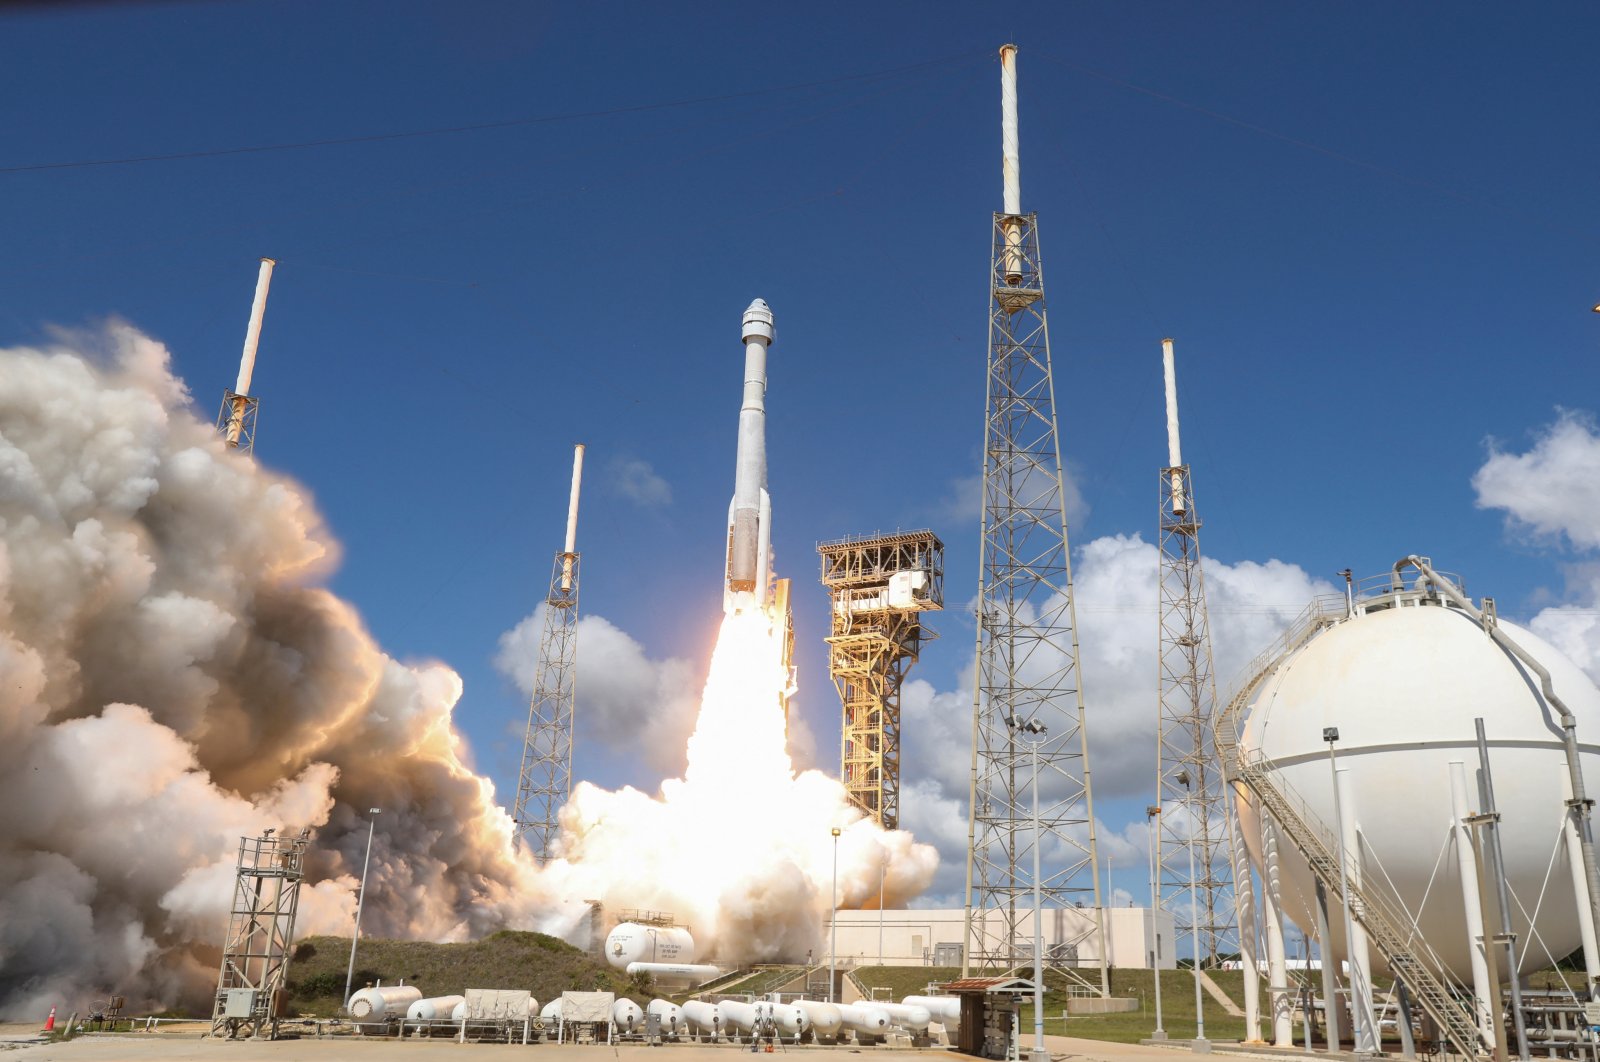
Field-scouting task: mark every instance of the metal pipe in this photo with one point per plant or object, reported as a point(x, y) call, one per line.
point(1194, 916)
point(1579, 805)
point(833, 922)
point(1484, 989)
point(1497, 867)
point(1408, 1046)
point(1038, 911)
point(1152, 821)
point(361, 899)
point(1174, 450)
point(1574, 845)
point(571, 551)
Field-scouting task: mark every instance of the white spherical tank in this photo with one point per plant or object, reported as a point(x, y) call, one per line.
point(632, 942)
point(382, 1004)
point(1402, 681)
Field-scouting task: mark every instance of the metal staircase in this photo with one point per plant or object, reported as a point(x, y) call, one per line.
point(1389, 927)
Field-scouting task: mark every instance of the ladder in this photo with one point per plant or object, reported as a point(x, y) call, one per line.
point(1389, 927)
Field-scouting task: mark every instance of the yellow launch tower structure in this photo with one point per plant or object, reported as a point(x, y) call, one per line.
point(879, 587)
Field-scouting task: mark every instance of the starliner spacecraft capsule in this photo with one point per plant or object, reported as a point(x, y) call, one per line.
point(747, 582)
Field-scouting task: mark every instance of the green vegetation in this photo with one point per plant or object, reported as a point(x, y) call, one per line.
point(1177, 1001)
point(542, 964)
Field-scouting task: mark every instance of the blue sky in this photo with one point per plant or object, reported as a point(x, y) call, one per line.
point(1370, 227)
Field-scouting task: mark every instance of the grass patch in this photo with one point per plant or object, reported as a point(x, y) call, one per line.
point(544, 965)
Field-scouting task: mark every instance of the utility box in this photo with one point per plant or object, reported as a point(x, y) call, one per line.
point(989, 1010)
point(241, 1003)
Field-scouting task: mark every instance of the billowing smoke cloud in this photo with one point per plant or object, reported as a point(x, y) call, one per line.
point(171, 678)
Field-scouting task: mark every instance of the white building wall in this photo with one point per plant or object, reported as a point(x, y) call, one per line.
point(918, 937)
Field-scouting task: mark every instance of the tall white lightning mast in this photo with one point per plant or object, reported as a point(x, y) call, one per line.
point(545, 781)
point(1027, 647)
point(1193, 863)
point(237, 419)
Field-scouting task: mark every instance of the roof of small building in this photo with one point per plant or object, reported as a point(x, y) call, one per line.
point(988, 984)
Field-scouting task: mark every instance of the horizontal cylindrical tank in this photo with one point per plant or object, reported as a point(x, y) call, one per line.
point(435, 1008)
point(677, 972)
point(864, 1019)
point(704, 1018)
point(789, 1020)
point(459, 1011)
point(631, 942)
point(946, 1010)
point(385, 1003)
point(737, 1015)
point(669, 1014)
point(551, 1011)
point(1402, 681)
point(907, 1016)
point(822, 1017)
point(626, 1015)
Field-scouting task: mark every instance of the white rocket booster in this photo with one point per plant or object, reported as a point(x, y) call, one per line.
point(748, 579)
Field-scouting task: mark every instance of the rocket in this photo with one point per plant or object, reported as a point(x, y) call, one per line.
point(747, 582)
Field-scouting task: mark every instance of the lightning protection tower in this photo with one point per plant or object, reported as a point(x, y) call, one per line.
point(236, 421)
point(1027, 642)
point(879, 587)
point(1196, 881)
point(545, 781)
point(255, 956)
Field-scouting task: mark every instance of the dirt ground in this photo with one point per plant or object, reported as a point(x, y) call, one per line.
point(185, 1046)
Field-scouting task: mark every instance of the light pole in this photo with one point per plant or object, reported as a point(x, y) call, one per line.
point(1151, 813)
point(1365, 1042)
point(1194, 916)
point(883, 863)
point(833, 921)
point(361, 898)
point(1037, 730)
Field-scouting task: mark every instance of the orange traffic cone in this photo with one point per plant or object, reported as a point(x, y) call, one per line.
point(50, 1022)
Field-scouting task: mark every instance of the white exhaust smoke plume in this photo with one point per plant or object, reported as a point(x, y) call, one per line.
point(171, 678)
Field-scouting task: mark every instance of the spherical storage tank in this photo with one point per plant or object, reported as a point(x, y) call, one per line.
point(1402, 680)
point(632, 942)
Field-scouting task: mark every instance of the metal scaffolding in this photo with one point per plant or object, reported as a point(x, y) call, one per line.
point(546, 778)
point(878, 588)
point(236, 421)
point(1027, 641)
point(260, 941)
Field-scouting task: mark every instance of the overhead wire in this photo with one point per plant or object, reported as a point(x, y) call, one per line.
point(476, 127)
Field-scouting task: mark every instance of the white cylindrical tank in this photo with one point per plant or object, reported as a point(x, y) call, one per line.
point(436, 1008)
point(823, 1018)
point(550, 1013)
point(736, 1016)
point(867, 1021)
point(908, 1016)
point(632, 942)
point(1402, 682)
point(669, 1014)
point(946, 1010)
point(383, 1003)
point(789, 1020)
point(626, 1015)
point(704, 1018)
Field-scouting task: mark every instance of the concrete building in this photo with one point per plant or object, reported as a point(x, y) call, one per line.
point(932, 937)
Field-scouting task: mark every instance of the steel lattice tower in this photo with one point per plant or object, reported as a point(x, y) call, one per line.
point(545, 781)
point(878, 587)
point(260, 942)
point(1196, 886)
point(1027, 642)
